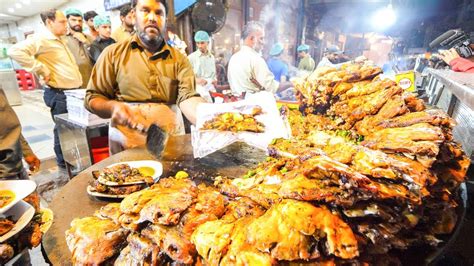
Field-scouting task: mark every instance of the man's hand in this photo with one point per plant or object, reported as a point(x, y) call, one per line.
point(122, 115)
point(33, 162)
point(201, 82)
point(449, 55)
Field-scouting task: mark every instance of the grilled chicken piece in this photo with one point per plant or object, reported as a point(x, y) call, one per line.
point(6, 253)
point(141, 248)
point(130, 221)
point(110, 211)
point(422, 139)
point(93, 241)
point(393, 107)
point(292, 235)
point(275, 235)
point(163, 202)
point(366, 88)
point(242, 207)
point(166, 207)
point(210, 205)
point(413, 103)
point(434, 117)
point(171, 241)
point(6, 225)
point(371, 104)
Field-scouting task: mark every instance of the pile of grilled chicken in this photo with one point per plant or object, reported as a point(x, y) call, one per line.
point(368, 170)
point(177, 221)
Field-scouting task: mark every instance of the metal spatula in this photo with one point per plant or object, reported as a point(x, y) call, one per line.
point(156, 139)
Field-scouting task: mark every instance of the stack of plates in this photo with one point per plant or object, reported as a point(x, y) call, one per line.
point(20, 211)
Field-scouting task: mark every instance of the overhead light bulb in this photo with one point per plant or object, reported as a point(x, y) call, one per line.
point(18, 5)
point(384, 17)
point(11, 9)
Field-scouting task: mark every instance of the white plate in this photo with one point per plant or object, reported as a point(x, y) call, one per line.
point(21, 189)
point(103, 195)
point(157, 166)
point(22, 213)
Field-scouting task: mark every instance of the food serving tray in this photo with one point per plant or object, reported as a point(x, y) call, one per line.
point(20, 188)
point(21, 213)
point(155, 165)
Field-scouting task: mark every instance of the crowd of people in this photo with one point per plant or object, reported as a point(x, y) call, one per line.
point(141, 63)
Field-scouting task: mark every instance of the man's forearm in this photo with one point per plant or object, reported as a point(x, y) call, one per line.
point(188, 108)
point(284, 85)
point(102, 107)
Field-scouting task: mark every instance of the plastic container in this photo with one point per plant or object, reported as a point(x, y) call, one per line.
point(100, 148)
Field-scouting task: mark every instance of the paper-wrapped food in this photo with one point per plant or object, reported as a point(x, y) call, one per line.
point(255, 121)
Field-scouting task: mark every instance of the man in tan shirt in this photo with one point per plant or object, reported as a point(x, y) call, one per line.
point(48, 56)
point(142, 69)
point(79, 43)
point(126, 28)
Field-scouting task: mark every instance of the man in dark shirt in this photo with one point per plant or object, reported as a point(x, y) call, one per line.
point(102, 24)
point(13, 146)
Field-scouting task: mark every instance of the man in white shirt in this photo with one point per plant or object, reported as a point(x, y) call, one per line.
point(203, 62)
point(48, 56)
point(248, 72)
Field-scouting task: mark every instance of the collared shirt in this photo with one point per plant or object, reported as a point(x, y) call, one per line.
point(125, 72)
point(121, 34)
point(12, 144)
point(307, 63)
point(97, 46)
point(278, 68)
point(79, 46)
point(204, 65)
point(48, 55)
point(245, 64)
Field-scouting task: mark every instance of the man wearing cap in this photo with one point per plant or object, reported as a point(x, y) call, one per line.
point(102, 24)
point(276, 65)
point(89, 19)
point(248, 72)
point(79, 43)
point(306, 62)
point(48, 56)
point(203, 62)
point(143, 69)
point(126, 28)
point(332, 57)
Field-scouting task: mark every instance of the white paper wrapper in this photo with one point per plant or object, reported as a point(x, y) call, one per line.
point(206, 142)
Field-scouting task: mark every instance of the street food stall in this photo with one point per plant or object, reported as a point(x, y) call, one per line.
point(368, 174)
